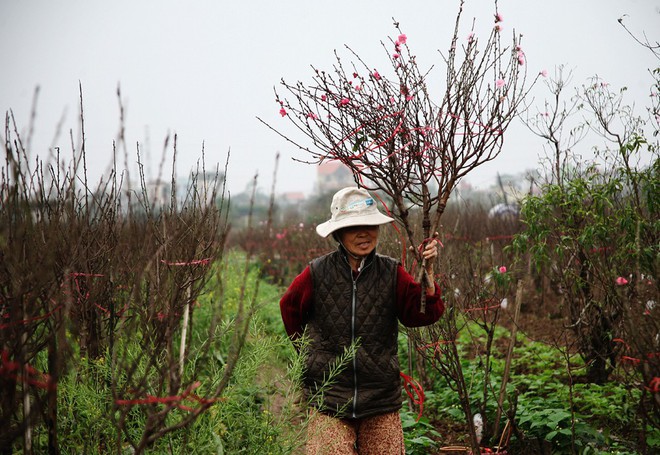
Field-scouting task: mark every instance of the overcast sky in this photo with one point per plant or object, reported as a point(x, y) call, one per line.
point(206, 69)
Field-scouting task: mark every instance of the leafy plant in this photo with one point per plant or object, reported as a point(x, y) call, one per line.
point(419, 435)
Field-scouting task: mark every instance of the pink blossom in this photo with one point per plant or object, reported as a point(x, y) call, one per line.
point(498, 28)
point(621, 281)
point(518, 48)
point(344, 101)
point(376, 75)
point(280, 235)
point(282, 112)
point(355, 74)
point(402, 39)
point(502, 269)
point(521, 58)
point(470, 37)
point(498, 18)
point(499, 83)
point(323, 97)
point(391, 99)
point(409, 97)
point(544, 73)
point(395, 56)
point(358, 87)
point(312, 115)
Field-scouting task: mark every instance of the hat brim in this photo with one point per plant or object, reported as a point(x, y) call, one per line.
point(373, 219)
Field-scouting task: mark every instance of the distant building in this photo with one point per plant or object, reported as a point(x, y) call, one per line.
point(199, 187)
point(333, 175)
point(159, 193)
point(290, 206)
point(292, 198)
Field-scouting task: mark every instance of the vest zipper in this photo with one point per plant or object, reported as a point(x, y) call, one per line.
point(353, 312)
point(354, 304)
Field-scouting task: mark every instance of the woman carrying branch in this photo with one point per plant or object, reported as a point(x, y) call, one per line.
point(355, 297)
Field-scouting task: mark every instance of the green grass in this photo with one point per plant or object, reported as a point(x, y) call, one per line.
point(240, 422)
point(259, 412)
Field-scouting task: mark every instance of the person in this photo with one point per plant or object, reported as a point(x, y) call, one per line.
point(354, 296)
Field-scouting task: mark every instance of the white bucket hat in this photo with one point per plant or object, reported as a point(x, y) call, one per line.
point(352, 206)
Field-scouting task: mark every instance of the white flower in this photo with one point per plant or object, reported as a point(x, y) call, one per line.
point(457, 292)
point(504, 303)
point(478, 426)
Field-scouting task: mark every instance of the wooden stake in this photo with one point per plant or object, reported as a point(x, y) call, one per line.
point(184, 334)
point(509, 355)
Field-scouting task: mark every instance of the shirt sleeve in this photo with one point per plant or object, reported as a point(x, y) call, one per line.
point(409, 299)
point(296, 303)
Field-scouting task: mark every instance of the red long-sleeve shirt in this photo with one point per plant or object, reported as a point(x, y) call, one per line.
point(298, 299)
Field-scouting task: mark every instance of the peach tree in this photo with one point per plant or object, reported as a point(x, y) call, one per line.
point(399, 139)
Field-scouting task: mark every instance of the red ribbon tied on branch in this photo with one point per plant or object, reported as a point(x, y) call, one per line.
point(415, 392)
point(174, 400)
point(10, 369)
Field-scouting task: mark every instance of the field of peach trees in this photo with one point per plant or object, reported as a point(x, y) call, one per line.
point(131, 325)
point(128, 328)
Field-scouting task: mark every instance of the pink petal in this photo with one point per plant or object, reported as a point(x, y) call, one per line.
point(621, 281)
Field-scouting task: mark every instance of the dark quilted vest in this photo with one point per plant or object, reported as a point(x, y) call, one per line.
point(370, 383)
